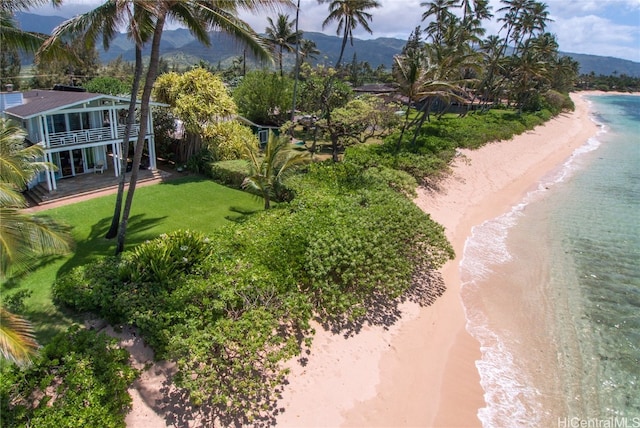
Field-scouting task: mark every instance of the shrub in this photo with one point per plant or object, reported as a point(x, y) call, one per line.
point(230, 173)
point(79, 379)
point(226, 140)
point(557, 102)
point(162, 260)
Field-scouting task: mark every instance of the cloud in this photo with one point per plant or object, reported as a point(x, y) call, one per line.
point(598, 27)
point(598, 36)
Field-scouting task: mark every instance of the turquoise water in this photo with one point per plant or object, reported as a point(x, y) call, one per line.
point(552, 288)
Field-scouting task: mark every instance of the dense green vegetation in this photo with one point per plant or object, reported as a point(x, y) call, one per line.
point(228, 291)
point(78, 379)
point(230, 307)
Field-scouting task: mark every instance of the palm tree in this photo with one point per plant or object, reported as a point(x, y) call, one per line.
point(308, 50)
point(22, 236)
point(198, 16)
point(267, 172)
point(440, 11)
point(11, 37)
point(17, 341)
point(348, 14)
point(104, 22)
point(281, 35)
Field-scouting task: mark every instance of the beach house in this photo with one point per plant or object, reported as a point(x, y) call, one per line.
point(80, 132)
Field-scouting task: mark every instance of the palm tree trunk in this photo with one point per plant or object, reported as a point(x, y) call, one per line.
point(344, 45)
point(297, 72)
point(115, 221)
point(152, 73)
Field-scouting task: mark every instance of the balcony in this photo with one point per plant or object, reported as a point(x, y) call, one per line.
point(84, 136)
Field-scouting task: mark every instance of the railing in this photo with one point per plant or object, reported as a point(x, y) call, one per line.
point(135, 129)
point(93, 135)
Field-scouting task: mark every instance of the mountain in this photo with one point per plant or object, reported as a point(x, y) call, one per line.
point(179, 46)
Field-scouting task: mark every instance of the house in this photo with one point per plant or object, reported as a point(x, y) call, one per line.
point(80, 132)
point(262, 131)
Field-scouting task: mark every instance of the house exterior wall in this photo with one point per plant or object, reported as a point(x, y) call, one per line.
point(77, 137)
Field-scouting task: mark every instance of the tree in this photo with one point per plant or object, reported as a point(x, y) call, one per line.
point(308, 50)
point(281, 36)
point(360, 120)
point(104, 22)
point(107, 85)
point(9, 67)
point(200, 100)
point(78, 66)
point(17, 341)
point(22, 236)
point(264, 97)
point(12, 37)
point(321, 93)
point(198, 16)
point(268, 171)
point(348, 14)
point(440, 11)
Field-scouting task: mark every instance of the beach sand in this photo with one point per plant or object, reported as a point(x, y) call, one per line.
point(420, 372)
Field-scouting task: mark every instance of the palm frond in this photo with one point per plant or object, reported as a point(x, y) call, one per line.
point(17, 340)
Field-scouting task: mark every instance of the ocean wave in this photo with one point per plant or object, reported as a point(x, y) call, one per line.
point(510, 400)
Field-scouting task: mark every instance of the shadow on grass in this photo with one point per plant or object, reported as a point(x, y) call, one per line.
point(97, 245)
point(244, 214)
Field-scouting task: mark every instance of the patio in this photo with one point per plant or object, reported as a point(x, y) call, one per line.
point(88, 184)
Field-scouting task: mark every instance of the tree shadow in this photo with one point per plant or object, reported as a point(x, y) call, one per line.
point(243, 214)
point(97, 245)
point(426, 286)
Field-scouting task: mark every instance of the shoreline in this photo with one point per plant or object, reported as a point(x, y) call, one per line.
point(421, 371)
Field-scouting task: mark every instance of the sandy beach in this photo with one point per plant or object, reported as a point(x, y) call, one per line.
point(420, 372)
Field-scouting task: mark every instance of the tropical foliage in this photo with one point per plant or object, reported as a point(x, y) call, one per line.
point(269, 169)
point(264, 97)
point(281, 36)
point(77, 379)
point(22, 236)
point(348, 14)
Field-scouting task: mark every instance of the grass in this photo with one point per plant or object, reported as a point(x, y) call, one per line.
point(186, 203)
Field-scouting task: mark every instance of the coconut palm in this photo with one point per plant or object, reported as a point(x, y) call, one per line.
point(308, 50)
point(23, 236)
point(17, 341)
point(282, 36)
point(440, 11)
point(348, 14)
point(269, 169)
point(104, 21)
point(12, 37)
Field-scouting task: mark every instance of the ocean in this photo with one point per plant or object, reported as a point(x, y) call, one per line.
point(551, 289)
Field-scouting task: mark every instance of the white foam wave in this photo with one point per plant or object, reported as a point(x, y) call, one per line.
point(510, 400)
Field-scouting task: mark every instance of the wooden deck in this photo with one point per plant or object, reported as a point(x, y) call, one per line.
point(87, 184)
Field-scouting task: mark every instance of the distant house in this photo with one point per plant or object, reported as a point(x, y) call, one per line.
point(262, 131)
point(80, 132)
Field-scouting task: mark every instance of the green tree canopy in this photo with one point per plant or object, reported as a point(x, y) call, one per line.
point(264, 97)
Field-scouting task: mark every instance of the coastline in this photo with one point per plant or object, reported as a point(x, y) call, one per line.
point(421, 371)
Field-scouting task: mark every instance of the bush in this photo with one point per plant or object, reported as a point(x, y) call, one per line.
point(226, 140)
point(91, 287)
point(557, 102)
point(161, 261)
point(230, 173)
point(79, 379)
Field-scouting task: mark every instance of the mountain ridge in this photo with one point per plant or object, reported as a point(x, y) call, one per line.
point(180, 46)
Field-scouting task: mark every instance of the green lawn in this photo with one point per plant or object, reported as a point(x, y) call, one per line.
point(187, 203)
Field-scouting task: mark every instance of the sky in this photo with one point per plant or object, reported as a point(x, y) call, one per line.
point(597, 27)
